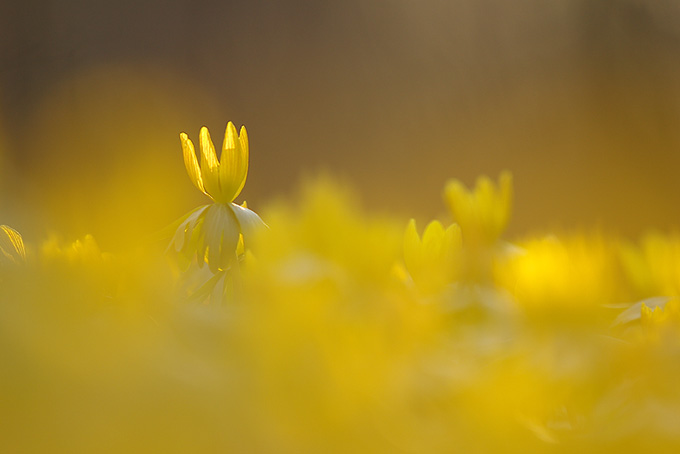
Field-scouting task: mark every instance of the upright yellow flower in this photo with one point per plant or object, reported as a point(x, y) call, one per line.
point(220, 180)
point(482, 214)
point(213, 231)
point(433, 260)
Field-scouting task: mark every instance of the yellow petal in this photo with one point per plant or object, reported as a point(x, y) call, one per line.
point(433, 240)
point(453, 236)
point(484, 212)
point(11, 245)
point(453, 240)
point(412, 247)
point(460, 204)
point(191, 163)
point(209, 165)
point(245, 157)
point(243, 138)
point(234, 162)
point(433, 234)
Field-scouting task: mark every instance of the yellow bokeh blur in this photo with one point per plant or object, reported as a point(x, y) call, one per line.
point(401, 302)
point(104, 168)
point(339, 330)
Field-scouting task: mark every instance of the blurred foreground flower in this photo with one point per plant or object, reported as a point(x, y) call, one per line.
point(558, 277)
point(348, 334)
point(433, 260)
point(84, 252)
point(484, 212)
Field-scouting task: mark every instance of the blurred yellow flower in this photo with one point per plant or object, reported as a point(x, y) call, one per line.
point(432, 260)
point(542, 346)
point(212, 232)
point(325, 234)
point(484, 212)
point(83, 251)
point(558, 276)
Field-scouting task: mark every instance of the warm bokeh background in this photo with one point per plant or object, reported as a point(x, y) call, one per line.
point(579, 98)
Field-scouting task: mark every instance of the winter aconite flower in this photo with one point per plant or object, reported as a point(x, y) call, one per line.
point(433, 259)
point(212, 231)
point(484, 212)
point(551, 275)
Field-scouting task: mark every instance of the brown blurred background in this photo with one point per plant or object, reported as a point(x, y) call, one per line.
point(580, 99)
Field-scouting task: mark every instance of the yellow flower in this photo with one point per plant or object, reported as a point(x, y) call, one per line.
point(571, 275)
point(432, 260)
point(212, 232)
point(482, 214)
point(324, 235)
point(83, 252)
point(220, 180)
point(11, 246)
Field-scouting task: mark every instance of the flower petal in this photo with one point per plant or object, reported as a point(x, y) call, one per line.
point(184, 230)
point(433, 239)
point(11, 245)
point(191, 163)
point(412, 247)
point(209, 165)
point(249, 220)
point(233, 163)
point(453, 241)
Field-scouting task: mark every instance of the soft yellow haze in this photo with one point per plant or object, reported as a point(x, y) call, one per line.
point(578, 98)
point(105, 167)
point(400, 302)
point(323, 347)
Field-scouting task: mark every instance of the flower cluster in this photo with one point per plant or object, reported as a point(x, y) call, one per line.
point(336, 330)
